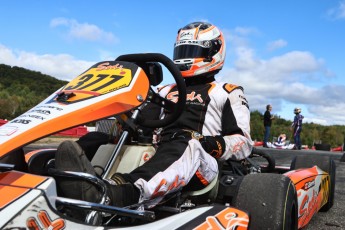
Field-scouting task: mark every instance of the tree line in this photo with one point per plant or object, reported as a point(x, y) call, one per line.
point(21, 89)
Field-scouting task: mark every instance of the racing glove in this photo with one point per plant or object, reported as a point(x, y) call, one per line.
point(214, 145)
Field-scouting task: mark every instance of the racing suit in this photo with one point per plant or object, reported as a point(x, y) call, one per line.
point(213, 110)
point(297, 126)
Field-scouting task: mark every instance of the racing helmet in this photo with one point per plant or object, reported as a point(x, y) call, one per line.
point(297, 110)
point(199, 50)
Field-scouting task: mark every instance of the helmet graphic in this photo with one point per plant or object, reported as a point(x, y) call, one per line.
point(199, 49)
point(297, 110)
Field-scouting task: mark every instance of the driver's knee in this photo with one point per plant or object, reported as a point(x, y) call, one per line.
point(91, 141)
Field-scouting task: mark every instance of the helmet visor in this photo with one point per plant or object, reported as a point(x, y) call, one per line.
point(190, 51)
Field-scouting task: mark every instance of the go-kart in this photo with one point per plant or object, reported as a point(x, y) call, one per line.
point(252, 193)
point(280, 143)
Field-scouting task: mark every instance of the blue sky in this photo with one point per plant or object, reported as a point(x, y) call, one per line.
point(287, 53)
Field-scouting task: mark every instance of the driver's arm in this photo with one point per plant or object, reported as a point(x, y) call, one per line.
point(234, 141)
point(236, 126)
point(151, 111)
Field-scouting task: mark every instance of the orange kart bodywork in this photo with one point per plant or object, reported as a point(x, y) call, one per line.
point(107, 88)
point(31, 199)
point(312, 186)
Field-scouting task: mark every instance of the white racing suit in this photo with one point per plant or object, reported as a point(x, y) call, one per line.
point(211, 109)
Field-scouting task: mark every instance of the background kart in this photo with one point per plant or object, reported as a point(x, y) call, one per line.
point(283, 145)
point(253, 193)
point(280, 143)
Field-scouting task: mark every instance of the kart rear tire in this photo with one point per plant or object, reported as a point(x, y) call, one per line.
point(270, 200)
point(326, 164)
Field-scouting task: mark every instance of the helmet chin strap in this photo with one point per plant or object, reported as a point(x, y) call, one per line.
point(207, 59)
point(183, 67)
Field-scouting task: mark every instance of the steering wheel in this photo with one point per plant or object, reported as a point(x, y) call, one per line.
point(174, 110)
point(271, 163)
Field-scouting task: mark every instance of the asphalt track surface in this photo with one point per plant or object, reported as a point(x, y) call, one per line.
point(334, 219)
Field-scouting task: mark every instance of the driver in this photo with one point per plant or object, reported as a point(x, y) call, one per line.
point(281, 138)
point(214, 126)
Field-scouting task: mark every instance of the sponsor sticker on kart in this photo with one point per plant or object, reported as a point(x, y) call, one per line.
point(229, 218)
point(8, 130)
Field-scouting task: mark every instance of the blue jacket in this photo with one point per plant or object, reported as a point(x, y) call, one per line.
point(297, 122)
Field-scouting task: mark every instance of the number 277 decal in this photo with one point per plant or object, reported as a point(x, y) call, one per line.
point(101, 81)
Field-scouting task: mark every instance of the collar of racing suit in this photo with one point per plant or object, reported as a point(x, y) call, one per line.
point(199, 80)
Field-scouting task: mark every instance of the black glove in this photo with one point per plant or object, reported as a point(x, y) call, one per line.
point(215, 146)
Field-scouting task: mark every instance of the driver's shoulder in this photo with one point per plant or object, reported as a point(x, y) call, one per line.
point(227, 87)
point(231, 87)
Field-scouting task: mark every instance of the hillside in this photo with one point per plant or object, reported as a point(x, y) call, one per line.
point(21, 89)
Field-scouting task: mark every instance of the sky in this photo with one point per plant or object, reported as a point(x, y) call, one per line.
point(287, 53)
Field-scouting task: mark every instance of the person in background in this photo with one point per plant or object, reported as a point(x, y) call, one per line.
point(281, 138)
point(215, 125)
point(297, 128)
point(267, 123)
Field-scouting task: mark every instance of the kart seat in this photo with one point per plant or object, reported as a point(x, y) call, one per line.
point(130, 157)
point(211, 188)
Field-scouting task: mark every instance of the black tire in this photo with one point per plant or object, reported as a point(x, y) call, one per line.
point(326, 164)
point(270, 200)
point(324, 147)
point(342, 159)
point(271, 163)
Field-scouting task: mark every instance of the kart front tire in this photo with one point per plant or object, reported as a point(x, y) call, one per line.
point(326, 164)
point(270, 200)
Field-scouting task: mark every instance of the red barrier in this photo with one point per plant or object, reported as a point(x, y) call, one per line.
point(337, 149)
point(73, 132)
point(2, 122)
point(305, 147)
point(258, 143)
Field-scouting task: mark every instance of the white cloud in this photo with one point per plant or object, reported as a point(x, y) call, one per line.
point(83, 31)
point(246, 59)
point(315, 120)
point(62, 66)
point(294, 61)
point(276, 44)
point(286, 80)
point(337, 12)
point(332, 113)
point(245, 31)
point(238, 37)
